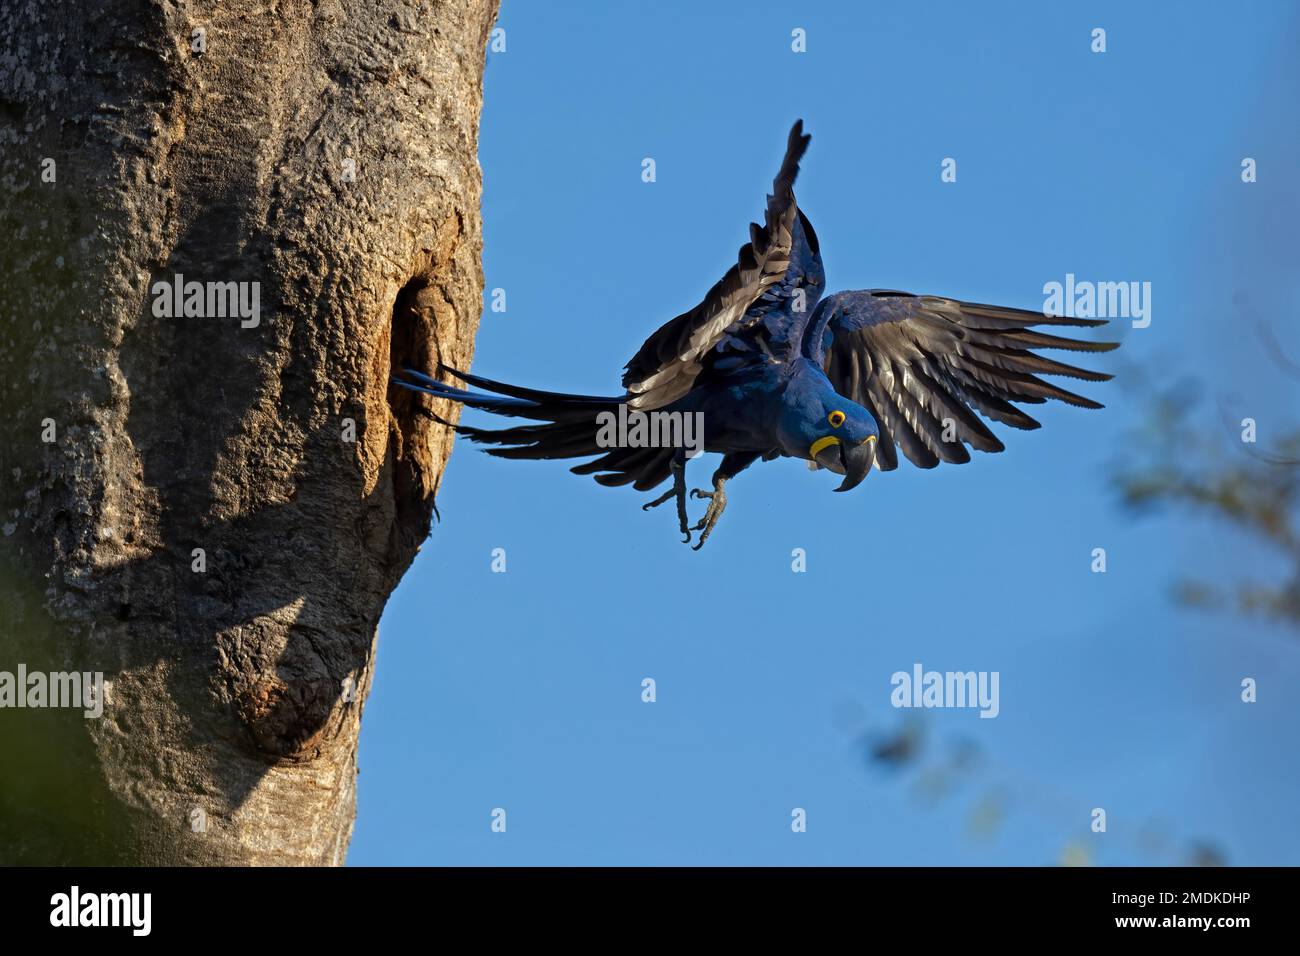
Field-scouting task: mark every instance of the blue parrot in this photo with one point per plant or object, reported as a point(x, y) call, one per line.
point(772, 368)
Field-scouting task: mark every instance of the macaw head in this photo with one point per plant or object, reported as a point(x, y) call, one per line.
point(820, 425)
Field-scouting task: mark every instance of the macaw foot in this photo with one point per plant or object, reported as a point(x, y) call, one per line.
point(678, 491)
point(717, 504)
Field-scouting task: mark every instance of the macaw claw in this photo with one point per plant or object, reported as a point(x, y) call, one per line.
point(717, 504)
point(658, 501)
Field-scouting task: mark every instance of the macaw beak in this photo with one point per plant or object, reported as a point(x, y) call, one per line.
point(858, 460)
point(852, 461)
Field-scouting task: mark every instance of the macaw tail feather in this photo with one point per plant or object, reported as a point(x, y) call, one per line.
point(569, 427)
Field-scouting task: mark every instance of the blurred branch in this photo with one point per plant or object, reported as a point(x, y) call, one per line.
point(1173, 460)
point(938, 771)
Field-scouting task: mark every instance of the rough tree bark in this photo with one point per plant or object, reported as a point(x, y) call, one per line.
point(328, 152)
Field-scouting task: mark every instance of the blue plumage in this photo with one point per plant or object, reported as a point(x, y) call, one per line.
point(773, 368)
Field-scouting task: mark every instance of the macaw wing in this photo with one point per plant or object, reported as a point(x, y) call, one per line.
point(774, 326)
point(667, 363)
point(921, 363)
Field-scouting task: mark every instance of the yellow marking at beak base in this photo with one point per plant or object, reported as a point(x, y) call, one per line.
point(824, 442)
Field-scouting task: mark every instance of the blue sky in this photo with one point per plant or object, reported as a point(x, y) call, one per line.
point(522, 690)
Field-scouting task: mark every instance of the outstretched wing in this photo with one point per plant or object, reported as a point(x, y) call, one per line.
point(921, 363)
point(774, 327)
point(667, 363)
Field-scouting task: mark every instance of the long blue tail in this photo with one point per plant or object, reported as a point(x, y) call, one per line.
point(569, 427)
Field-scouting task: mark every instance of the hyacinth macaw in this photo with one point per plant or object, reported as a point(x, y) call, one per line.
point(778, 370)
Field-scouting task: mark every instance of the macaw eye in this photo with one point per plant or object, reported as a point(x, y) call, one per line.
point(836, 419)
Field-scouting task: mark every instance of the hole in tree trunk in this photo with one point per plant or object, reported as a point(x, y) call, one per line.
point(413, 343)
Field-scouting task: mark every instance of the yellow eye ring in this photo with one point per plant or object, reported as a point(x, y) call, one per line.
point(836, 419)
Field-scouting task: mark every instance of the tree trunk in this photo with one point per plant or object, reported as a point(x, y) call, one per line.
point(212, 508)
